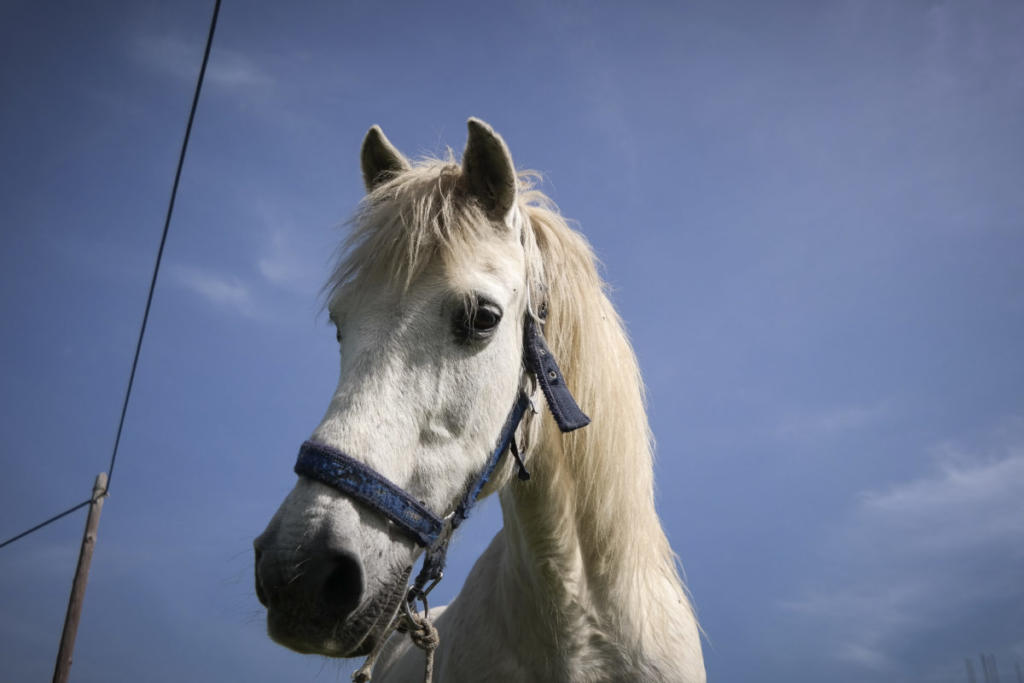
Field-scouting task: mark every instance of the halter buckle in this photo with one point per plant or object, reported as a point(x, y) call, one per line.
point(419, 595)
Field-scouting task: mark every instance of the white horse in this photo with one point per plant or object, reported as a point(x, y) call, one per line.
point(444, 265)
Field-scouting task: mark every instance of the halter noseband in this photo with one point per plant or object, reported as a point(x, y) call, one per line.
point(359, 481)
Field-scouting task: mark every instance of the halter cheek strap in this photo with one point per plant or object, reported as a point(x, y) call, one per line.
point(541, 363)
point(409, 515)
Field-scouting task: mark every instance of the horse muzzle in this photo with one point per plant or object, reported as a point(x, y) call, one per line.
point(317, 601)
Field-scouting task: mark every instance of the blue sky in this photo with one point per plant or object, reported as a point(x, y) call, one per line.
point(810, 213)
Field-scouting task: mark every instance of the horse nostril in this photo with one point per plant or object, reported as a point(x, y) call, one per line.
point(343, 586)
point(260, 594)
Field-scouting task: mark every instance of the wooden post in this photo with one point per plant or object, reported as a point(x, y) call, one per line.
point(67, 639)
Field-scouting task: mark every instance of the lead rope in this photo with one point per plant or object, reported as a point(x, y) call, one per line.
point(365, 672)
point(424, 635)
point(421, 631)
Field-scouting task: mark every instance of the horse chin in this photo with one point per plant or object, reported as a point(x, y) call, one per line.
point(356, 636)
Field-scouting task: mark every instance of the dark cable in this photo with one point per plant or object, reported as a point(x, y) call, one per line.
point(163, 240)
point(152, 283)
point(39, 526)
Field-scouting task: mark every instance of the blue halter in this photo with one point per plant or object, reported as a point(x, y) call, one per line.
point(359, 481)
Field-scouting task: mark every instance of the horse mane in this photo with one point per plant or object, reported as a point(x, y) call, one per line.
point(610, 462)
point(424, 213)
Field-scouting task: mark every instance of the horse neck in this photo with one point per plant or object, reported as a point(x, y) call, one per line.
point(582, 534)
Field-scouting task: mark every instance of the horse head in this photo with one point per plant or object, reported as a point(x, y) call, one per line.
point(429, 302)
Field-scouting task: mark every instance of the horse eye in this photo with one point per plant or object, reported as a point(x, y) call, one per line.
point(337, 335)
point(477, 323)
point(487, 317)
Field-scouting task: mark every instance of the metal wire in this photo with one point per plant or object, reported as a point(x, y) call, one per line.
point(152, 284)
point(163, 240)
point(39, 526)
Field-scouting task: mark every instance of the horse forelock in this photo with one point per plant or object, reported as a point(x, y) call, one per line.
point(407, 222)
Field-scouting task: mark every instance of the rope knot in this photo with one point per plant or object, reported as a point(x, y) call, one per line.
point(424, 634)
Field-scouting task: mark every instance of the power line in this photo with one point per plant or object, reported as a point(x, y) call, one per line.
point(39, 526)
point(152, 283)
point(163, 241)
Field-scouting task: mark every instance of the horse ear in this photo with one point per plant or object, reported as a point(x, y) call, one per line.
point(380, 160)
point(488, 170)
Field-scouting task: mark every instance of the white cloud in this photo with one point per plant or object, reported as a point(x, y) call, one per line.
point(921, 557)
point(863, 656)
point(284, 267)
point(181, 59)
point(221, 291)
point(962, 506)
point(811, 425)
